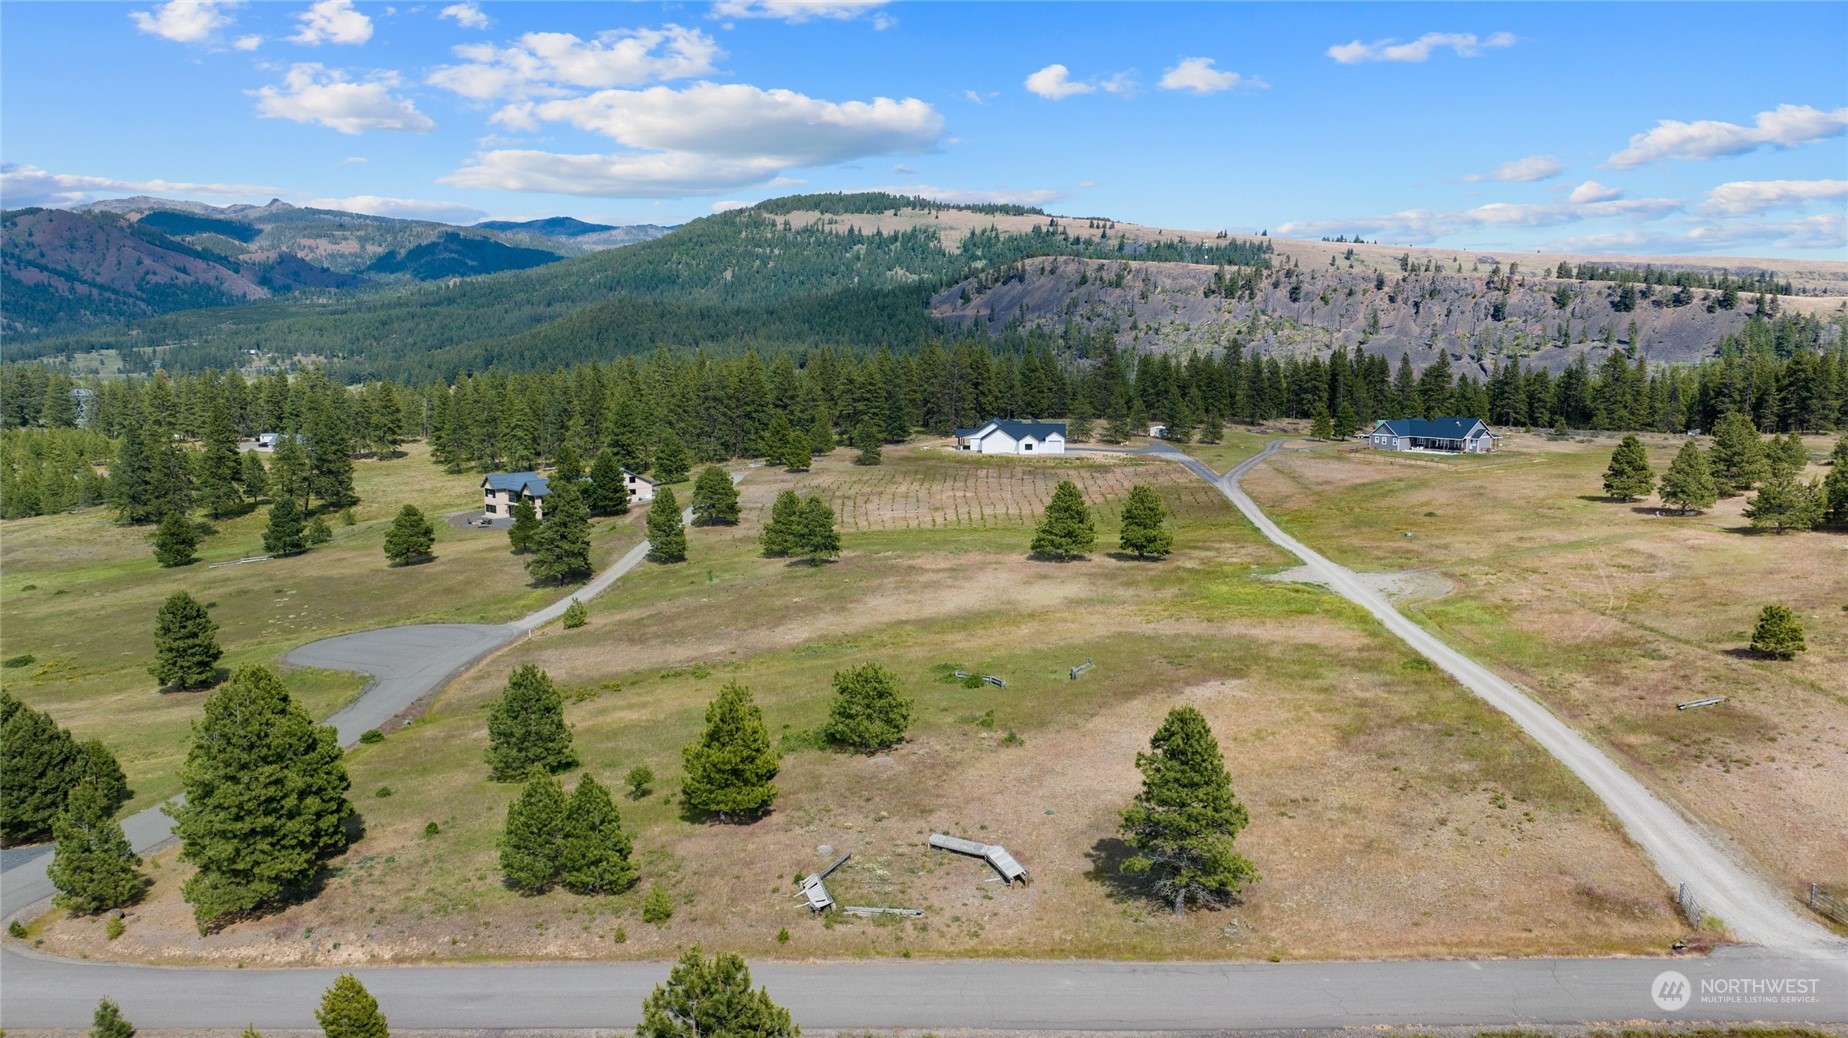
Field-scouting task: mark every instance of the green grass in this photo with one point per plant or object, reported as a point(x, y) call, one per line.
point(95, 588)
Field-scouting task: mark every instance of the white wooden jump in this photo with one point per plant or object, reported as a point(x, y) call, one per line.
point(995, 854)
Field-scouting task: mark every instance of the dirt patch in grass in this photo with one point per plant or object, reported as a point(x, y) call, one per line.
point(1613, 614)
point(1388, 806)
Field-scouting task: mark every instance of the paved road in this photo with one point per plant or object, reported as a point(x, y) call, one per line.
point(44, 991)
point(1750, 907)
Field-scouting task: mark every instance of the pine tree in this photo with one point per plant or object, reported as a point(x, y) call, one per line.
point(715, 498)
point(316, 532)
point(100, 768)
point(289, 467)
point(779, 538)
point(93, 867)
point(608, 493)
point(1784, 502)
point(1787, 452)
point(348, 1010)
point(527, 729)
point(1345, 421)
point(820, 436)
point(532, 839)
point(868, 713)
point(1067, 531)
point(576, 615)
point(561, 548)
point(731, 766)
point(176, 541)
point(1835, 487)
point(1688, 483)
point(1738, 456)
point(253, 476)
point(671, 462)
point(1183, 824)
point(1778, 633)
point(286, 533)
point(1078, 422)
point(39, 763)
point(265, 799)
point(410, 538)
point(567, 467)
point(713, 999)
point(667, 538)
point(816, 537)
point(148, 478)
point(330, 454)
point(1322, 427)
point(1629, 475)
point(798, 454)
point(108, 1022)
point(525, 526)
point(1143, 531)
point(866, 440)
point(186, 648)
point(219, 467)
point(593, 855)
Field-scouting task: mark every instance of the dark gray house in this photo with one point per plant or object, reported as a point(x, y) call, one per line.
point(1448, 435)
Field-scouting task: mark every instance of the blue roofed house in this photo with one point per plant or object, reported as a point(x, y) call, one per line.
point(1005, 436)
point(1448, 435)
point(501, 491)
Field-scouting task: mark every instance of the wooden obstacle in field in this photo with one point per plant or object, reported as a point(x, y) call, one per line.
point(993, 853)
point(815, 892)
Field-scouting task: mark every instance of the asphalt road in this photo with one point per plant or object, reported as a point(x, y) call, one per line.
point(1754, 911)
point(1811, 975)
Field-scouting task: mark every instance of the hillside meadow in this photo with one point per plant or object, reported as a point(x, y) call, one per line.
point(1392, 814)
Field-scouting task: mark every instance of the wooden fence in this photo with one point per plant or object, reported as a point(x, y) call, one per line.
point(1825, 903)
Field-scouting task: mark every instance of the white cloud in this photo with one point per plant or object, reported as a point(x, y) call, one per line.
point(1746, 197)
point(1465, 44)
point(904, 171)
point(313, 93)
point(1054, 83)
point(354, 160)
point(402, 208)
point(23, 185)
point(1521, 171)
point(546, 64)
point(1827, 231)
point(251, 42)
point(1784, 127)
point(332, 21)
point(1592, 191)
point(1199, 76)
point(798, 11)
point(184, 21)
point(726, 207)
point(702, 139)
point(1417, 226)
point(468, 15)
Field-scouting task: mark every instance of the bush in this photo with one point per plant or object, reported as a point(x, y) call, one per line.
point(1779, 633)
point(114, 928)
point(641, 781)
point(383, 792)
point(782, 936)
point(432, 829)
point(371, 735)
point(24, 659)
point(576, 615)
point(16, 929)
point(317, 532)
point(657, 906)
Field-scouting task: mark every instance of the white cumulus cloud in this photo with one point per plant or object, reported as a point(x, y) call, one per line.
point(402, 208)
point(1745, 197)
point(550, 64)
point(1418, 226)
point(1786, 126)
point(1054, 83)
point(702, 139)
point(1199, 76)
point(313, 93)
point(332, 21)
point(1521, 171)
point(798, 11)
point(1464, 44)
point(1592, 191)
point(468, 15)
point(251, 42)
point(24, 185)
point(728, 206)
point(184, 21)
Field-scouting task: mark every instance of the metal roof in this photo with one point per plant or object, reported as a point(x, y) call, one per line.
point(1431, 428)
point(1019, 430)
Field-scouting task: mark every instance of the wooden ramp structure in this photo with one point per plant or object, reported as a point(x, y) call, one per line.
point(993, 853)
point(815, 892)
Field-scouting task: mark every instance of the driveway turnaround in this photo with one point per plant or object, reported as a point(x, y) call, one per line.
point(1798, 977)
point(1750, 908)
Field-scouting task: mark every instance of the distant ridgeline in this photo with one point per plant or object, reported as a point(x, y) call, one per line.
point(726, 283)
point(1777, 371)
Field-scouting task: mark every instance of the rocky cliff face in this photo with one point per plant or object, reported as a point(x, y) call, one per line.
point(1475, 315)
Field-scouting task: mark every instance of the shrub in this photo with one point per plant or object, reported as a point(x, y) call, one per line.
point(384, 791)
point(657, 906)
point(24, 659)
point(576, 615)
point(432, 829)
point(114, 928)
point(16, 929)
point(641, 781)
point(371, 735)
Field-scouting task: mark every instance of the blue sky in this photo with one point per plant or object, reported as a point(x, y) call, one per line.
point(1651, 128)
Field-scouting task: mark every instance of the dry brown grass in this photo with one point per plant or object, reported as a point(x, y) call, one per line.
point(1613, 615)
point(1392, 814)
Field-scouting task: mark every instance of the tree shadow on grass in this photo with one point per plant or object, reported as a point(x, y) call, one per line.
point(1107, 857)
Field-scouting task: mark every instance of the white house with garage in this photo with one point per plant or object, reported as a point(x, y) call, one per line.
point(1006, 436)
point(501, 491)
point(1447, 435)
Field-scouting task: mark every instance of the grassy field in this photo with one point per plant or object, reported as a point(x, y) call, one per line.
point(1388, 806)
point(1612, 614)
point(80, 594)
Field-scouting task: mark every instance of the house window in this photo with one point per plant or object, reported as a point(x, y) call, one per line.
point(1027, 446)
point(491, 509)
